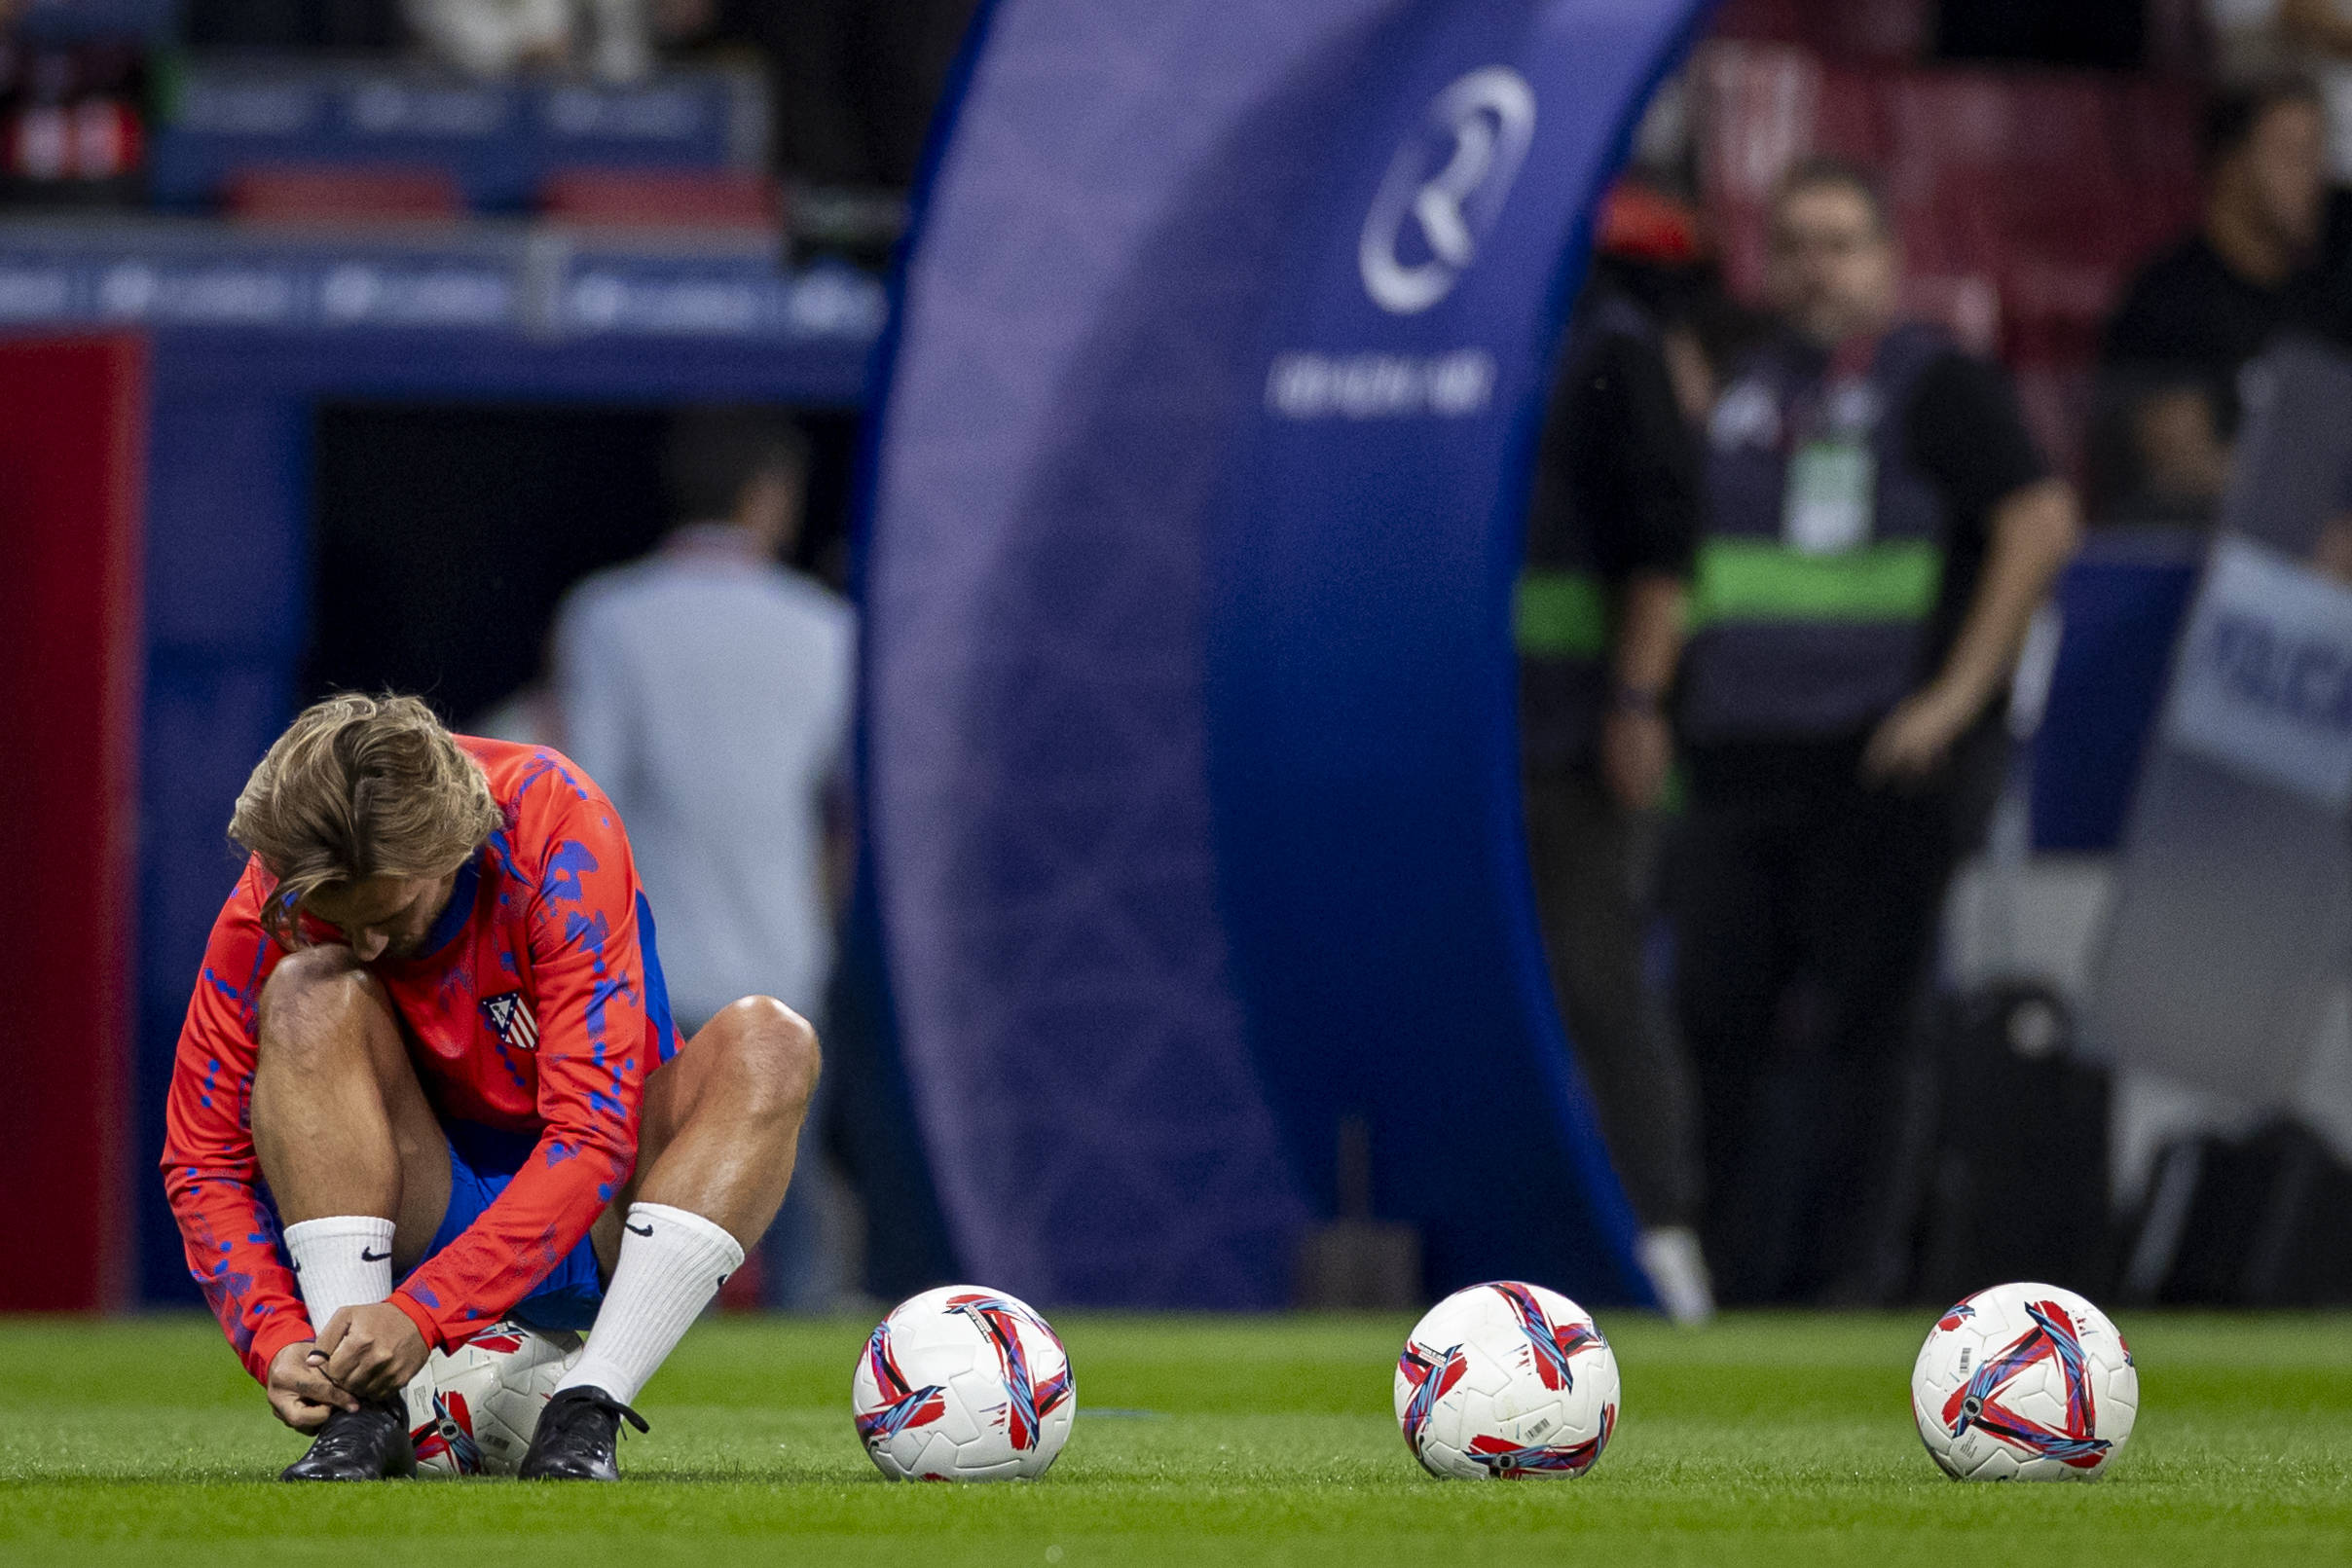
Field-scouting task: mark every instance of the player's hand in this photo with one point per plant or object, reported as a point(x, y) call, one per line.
point(372, 1351)
point(1636, 752)
point(301, 1394)
point(1915, 740)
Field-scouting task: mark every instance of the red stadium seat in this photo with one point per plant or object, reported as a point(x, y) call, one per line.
point(662, 199)
point(1760, 22)
point(1759, 104)
point(2060, 121)
point(1895, 32)
point(1739, 237)
point(341, 195)
point(1952, 220)
point(1850, 119)
point(1941, 120)
point(1967, 306)
point(2156, 128)
point(1889, 30)
point(1757, 107)
point(2156, 137)
point(2058, 309)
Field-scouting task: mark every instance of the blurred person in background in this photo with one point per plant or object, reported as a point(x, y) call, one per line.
point(1613, 522)
point(2260, 40)
point(1879, 532)
point(709, 689)
point(2196, 313)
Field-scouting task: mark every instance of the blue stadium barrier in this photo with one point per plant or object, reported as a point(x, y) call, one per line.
point(68, 22)
point(485, 288)
point(501, 139)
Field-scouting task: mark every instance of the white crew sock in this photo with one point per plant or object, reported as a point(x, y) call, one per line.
point(1678, 1269)
point(672, 1264)
point(341, 1262)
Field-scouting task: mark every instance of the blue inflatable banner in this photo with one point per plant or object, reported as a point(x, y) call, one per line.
point(1190, 766)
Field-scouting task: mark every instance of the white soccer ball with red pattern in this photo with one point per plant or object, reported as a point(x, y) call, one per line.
point(471, 1410)
point(962, 1383)
point(2025, 1382)
point(1506, 1380)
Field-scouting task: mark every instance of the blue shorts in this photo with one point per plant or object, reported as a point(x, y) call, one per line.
point(482, 1160)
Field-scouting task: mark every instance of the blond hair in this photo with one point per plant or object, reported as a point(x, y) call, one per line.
point(358, 787)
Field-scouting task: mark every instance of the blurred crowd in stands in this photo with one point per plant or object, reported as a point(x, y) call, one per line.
point(2123, 242)
point(850, 83)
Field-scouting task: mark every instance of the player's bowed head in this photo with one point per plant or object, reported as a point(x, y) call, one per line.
point(364, 811)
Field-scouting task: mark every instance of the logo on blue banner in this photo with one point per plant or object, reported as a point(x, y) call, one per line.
point(1480, 127)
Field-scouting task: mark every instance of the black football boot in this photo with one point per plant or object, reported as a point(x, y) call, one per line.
point(369, 1444)
point(579, 1435)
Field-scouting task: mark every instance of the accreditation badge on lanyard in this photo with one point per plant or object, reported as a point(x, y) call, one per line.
point(1833, 471)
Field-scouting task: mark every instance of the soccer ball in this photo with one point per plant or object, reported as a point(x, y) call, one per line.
point(472, 1408)
point(1506, 1380)
point(2024, 1382)
point(962, 1383)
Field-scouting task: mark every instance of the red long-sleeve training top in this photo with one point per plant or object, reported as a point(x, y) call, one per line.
point(530, 1010)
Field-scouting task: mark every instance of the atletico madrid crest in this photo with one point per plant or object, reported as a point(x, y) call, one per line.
point(509, 1018)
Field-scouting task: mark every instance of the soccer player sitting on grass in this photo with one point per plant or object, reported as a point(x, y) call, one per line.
point(430, 1041)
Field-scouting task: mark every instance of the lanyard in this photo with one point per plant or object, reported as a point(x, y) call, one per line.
point(1850, 365)
point(1828, 507)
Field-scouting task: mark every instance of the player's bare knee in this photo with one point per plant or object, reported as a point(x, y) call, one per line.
point(308, 1003)
point(775, 1054)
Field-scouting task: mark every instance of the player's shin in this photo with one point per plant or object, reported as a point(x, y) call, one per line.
point(672, 1263)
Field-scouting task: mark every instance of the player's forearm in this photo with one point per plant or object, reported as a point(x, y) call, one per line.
point(257, 1300)
point(2035, 534)
point(1649, 631)
point(212, 1180)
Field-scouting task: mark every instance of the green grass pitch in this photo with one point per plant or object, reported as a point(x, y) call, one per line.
point(1780, 1440)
